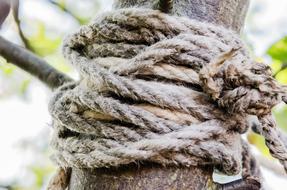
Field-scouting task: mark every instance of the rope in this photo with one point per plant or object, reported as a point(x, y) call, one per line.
point(161, 88)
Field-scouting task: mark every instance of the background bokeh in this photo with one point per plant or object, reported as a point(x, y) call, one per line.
point(25, 124)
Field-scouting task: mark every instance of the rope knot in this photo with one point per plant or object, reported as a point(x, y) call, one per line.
point(240, 85)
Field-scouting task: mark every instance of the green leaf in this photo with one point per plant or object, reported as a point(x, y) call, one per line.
point(42, 44)
point(40, 173)
point(24, 86)
point(58, 62)
point(276, 66)
point(6, 68)
point(282, 76)
point(259, 142)
point(278, 51)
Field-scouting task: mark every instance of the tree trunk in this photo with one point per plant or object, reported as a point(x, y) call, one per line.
point(228, 13)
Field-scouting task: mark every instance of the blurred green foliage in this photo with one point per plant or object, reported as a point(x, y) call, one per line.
point(278, 51)
point(47, 45)
point(12, 83)
point(278, 54)
point(44, 41)
point(6, 68)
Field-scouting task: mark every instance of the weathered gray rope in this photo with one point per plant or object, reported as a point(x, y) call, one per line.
point(161, 88)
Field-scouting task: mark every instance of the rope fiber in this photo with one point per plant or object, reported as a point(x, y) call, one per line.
point(164, 89)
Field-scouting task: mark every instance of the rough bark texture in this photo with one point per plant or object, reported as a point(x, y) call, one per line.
point(134, 177)
point(230, 14)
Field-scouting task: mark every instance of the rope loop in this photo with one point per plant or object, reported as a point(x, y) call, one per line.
point(161, 88)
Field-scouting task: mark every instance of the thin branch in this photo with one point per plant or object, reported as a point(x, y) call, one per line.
point(64, 9)
point(32, 64)
point(250, 184)
point(21, 34)
point(15, 10)
point(8, 187)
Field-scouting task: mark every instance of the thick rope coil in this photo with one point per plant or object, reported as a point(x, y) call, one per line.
point(164, 89)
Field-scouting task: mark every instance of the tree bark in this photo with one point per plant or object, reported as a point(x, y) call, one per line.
point(138, 177)
point(228, 13)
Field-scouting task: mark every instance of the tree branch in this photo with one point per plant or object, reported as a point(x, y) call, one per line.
point(7, 187)
point(20, 32)
point(227, 13)
point(250, 184)
point(32, 64)
point(15, 10)
point(64, 9)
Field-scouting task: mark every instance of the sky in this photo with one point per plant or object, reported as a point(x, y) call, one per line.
point(267, 24)
point(28, 120)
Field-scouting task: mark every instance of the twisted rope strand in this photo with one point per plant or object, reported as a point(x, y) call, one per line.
point(164, 89)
